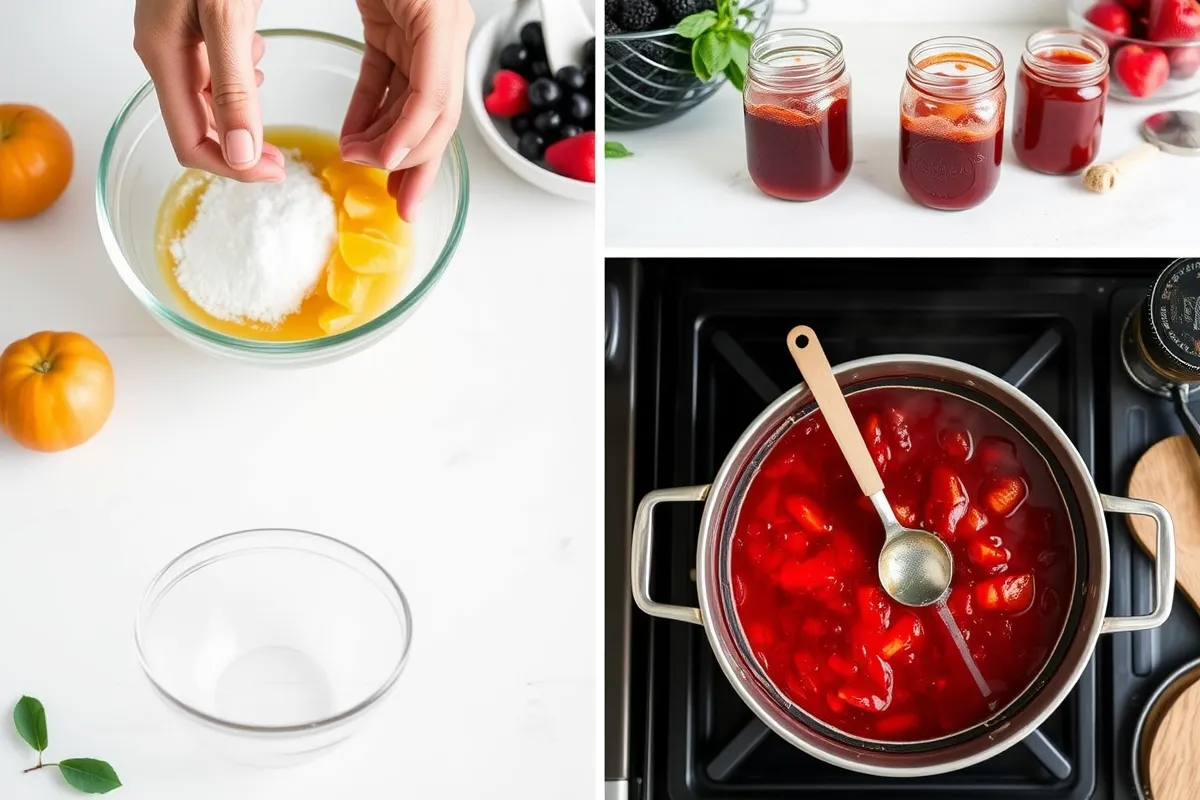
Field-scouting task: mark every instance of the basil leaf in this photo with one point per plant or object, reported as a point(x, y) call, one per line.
point(736, 75)
point(695, 24)
point(739, 36)
point(747, 13)
point(615, 150)
point(698, 66)
point(89, 775)
point(714, 52)
point(30, 719)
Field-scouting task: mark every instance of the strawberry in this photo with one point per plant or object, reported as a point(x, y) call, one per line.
point(997, 455)
point(1185, 62)
point(759, 635)
point(898, 425)
point(574, 157)
point(836, 704)
point(794, 540)
point(1141, 70)
point(874, 608)
point(1010, 594)
point(809, 575)
point(974, 520)
point(956, 443)
point(842, 666)
point(895, 725)
point(810, 516)
point(813, 628)
point(1174, 20)
point(864, 698)
point(1112, 17)
point(776, 466)
point(961, 607)
point(905, 513)
point(509, 95)
point(902, 636)
point(943, 519)
point(848, 555)
point(770, 499)
point(880, 673)
point(988, 552)
point(946, 487)
point(1005, 495)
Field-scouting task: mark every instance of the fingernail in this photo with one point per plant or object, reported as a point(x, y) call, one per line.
point(239, 147)
point(396, 160)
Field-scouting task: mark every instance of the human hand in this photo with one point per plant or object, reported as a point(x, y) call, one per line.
point(409, 94)
point(202, 57)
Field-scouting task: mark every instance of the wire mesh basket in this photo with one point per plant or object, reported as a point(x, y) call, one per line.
point(648, 78)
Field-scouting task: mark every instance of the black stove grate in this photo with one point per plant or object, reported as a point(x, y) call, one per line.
point(714, 358)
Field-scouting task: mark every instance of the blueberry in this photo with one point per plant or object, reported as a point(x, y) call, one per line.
point(547, 124)
point(521, 124)
point(589, 52)
point(569, 130)
point(544, 93)
point(539, 69)
point(570, 78)
point(531, 146)
point(579, 107)
point(531, 37)
point(514, 57)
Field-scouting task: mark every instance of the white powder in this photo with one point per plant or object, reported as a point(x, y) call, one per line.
point(255, 251)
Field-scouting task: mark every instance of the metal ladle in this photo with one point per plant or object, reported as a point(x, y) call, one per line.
point(1174, 132)
point(915, 566)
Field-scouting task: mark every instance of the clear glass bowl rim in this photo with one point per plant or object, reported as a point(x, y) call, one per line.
point(457, 155)
point(153, 592)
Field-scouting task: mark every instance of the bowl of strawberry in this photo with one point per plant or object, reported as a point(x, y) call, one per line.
point(1154, 45)
point(788, 585)
point(540, 123)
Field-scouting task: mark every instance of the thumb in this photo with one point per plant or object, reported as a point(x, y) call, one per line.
point(228, 30)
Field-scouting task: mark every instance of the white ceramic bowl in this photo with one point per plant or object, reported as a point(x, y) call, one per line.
point(482, 60)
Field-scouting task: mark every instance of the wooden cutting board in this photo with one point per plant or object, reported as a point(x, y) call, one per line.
point(1174, 766)
point(1169, 473)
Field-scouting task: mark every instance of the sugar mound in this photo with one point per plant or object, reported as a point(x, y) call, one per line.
point(255, 251)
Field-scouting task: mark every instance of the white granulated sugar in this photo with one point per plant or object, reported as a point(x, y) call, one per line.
point(255, 251)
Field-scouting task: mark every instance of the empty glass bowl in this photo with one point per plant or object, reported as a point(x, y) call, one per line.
point(310, 78)
point(276, 644)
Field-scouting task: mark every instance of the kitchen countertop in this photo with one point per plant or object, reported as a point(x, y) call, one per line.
point(442, 452)
point(687, 184)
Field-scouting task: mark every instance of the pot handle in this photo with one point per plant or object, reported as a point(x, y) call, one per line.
point(1164, 564)
point(643, 540)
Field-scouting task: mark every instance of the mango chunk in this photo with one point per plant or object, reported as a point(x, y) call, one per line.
point(366, 254)
point(347, 288)
point(335, 319)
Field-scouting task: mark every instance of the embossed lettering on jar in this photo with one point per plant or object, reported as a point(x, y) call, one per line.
point(797, 111)
point(952, 122)
point(1061, 91)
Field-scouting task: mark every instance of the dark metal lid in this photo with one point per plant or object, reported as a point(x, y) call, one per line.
point(1174, 313)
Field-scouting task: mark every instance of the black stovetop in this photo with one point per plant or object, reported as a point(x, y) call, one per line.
point(709, 358)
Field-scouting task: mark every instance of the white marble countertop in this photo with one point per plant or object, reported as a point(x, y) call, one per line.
point(687, 184)
point(442, 452)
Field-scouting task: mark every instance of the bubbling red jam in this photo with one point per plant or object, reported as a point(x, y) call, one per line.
point(806, 548)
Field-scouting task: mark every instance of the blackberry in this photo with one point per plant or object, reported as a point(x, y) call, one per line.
point(675, 10)
point(639, 15)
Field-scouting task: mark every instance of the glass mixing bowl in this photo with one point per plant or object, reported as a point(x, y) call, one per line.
point(275, 644)
point(310, 78)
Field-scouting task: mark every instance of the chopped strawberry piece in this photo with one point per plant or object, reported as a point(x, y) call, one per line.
point(808, 514)
point(997, 454)
point(943, 519)
point(974, 520)
point(809, 575)
point(1003, 496)
point(1010, 594)
point(899, 428)
point(1172, 20)
point(760, 635)
point(848, 554)
point(842, 666)
point(874, 608)
point(864, 699)
point(763, 554)
point(795, 542)
point(956, 443)
point(836, 600)
point(880, 673)
point(509, 95)
point(813, 628)
point(988, 552)
point(777, 465)
point(905, 513)
point(895, 725)
point(946, 487)
point(836, 704)
point(902, 636)
point(961, 607)
point(770, 500)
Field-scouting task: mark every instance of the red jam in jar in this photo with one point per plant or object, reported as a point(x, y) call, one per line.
point(797, 111)
point(1061, 91)
point(952, 123)
point(806, 548)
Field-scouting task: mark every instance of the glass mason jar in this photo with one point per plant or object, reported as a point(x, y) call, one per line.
point(1059, 108)
point(797, 111)
point(952, 122)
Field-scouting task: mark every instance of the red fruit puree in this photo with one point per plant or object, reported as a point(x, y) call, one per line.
point(1057, 128)
point(802, 151)
point(807, 591)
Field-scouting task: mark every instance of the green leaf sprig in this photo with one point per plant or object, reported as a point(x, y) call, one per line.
point(616, 150)
point(85, 774)
point(718, 44)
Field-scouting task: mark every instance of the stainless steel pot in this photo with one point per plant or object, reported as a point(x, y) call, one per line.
point(1086, 619)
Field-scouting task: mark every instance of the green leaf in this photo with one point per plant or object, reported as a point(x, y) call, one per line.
point(748, 13)
point(714, 52)
point(695, 24)
point(616, 150)
point(698, 66)
point(736, 75)
point(89, 775)
point(740, 37)
point(30, 718)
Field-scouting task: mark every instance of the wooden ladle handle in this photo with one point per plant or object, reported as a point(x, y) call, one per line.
point(814, 366)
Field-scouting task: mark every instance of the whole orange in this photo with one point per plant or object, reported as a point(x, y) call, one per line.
point(36, 159)
point(56, 390)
